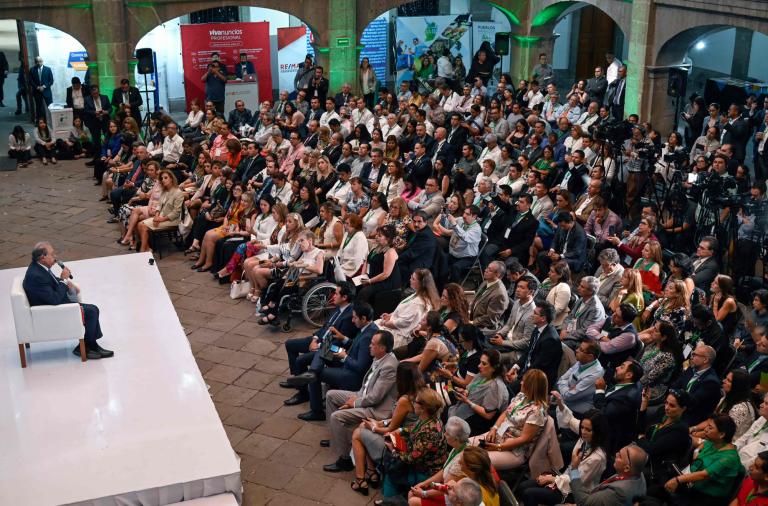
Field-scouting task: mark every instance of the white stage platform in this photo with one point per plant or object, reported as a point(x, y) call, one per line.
point(135, 429)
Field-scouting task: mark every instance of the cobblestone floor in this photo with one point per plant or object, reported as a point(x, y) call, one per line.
point(240, 360)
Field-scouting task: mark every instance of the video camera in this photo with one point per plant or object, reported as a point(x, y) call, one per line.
point(615, 132)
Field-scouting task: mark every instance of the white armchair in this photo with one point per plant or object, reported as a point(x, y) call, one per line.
point(44, 323)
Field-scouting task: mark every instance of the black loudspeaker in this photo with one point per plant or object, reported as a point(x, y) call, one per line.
point(501, 43)
point(678, 78)
point(146, 63)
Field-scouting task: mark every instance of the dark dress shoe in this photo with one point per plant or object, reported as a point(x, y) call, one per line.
point(89, 354)
point(325, 443)
point(302, 379)
point(299, 398)
point(341, 465)
point(312, 416)
point(285, 384)
point(91, 163)
point(102, 351)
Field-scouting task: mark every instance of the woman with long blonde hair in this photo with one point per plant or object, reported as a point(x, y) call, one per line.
point(411, 310)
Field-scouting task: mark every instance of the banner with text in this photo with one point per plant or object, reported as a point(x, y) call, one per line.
point(485, 31)
point(199, 42)
point(293, 45)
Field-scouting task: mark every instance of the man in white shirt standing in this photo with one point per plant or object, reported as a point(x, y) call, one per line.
point(614, 64)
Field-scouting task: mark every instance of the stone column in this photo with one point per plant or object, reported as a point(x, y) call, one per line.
point(640, 55)
point(525, 50)
point(742, 50)
point(112, 52)
point(342, 44)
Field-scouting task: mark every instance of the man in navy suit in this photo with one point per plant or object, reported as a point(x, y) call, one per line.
point(701, 383)
point(41, 79)
point(420, 252)
point(545, 350)
point(348, 367)
point(620, 404)
point(301, 350)
point(97, 109)
point(43, 288)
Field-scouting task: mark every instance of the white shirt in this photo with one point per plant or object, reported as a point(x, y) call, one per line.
point(444, 67)
point(78, 100)
point(326, 117)
point(173, 147)
point(395, 130)
point(339, 191)
point(612, 72)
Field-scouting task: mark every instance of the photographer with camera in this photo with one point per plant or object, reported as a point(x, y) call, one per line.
point(214, 78)
point(678, 221)
point(673, 157)
point(706, 145)
point(636, 150)
point(752, 220)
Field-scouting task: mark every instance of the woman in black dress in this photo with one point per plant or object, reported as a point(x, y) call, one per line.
point(381, 266)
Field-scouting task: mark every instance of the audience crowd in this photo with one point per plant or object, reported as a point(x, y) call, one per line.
point(601, 356)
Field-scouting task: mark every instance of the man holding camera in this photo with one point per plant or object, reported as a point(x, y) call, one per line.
point(214, 78)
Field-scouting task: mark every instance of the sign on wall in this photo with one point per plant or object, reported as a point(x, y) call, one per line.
point(200, 41)
point(293, 45)
point(417, 35)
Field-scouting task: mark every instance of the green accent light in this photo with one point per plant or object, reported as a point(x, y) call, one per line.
point(526, 40)
point(79, 6)
point(509, 14)
point(343, 42)
point(323, 50)
point(551, 13)
point(92, 64)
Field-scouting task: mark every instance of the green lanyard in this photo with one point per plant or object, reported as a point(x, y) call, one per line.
point(648, 356)
point(587, 367)
point(518, 408)
point(454, 453)
point(761, 429)
point(690, 383)
point(346, 241)
point(474, 386)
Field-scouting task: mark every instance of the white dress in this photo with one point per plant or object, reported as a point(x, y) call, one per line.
point(406, 317)
point(352, 253)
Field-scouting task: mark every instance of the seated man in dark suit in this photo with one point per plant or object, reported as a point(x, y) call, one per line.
point(345, 370)
point(545, 351)
point(620, 404)
point(420, 252)
point(43, 288)
point(569, 244)
point(756, 363)
point(617, 338)
point(516, 236)
point(701, 383)
point(301, 350)
point(127, 94)
point(705, 266)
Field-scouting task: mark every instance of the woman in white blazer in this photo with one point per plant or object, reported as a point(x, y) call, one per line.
point(411, 311)
point(354, 246)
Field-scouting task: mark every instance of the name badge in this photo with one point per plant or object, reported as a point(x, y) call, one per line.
point(506, 234)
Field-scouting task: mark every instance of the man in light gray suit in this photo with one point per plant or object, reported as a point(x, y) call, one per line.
point(491, 300)
point(619, 489)
point(374, 400)
point(587, 311)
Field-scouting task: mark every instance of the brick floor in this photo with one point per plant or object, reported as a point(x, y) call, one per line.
point(240, 360)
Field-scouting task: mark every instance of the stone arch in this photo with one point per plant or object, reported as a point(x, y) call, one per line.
point(672, 51)
point(546, 13)
point(61, 18)
point(142, 18)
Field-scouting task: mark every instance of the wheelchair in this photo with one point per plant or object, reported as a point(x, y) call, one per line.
point(310, 297)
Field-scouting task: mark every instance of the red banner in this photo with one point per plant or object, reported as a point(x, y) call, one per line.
point(198, 42)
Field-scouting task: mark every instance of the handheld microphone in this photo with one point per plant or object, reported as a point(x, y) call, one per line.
point(61, 264)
